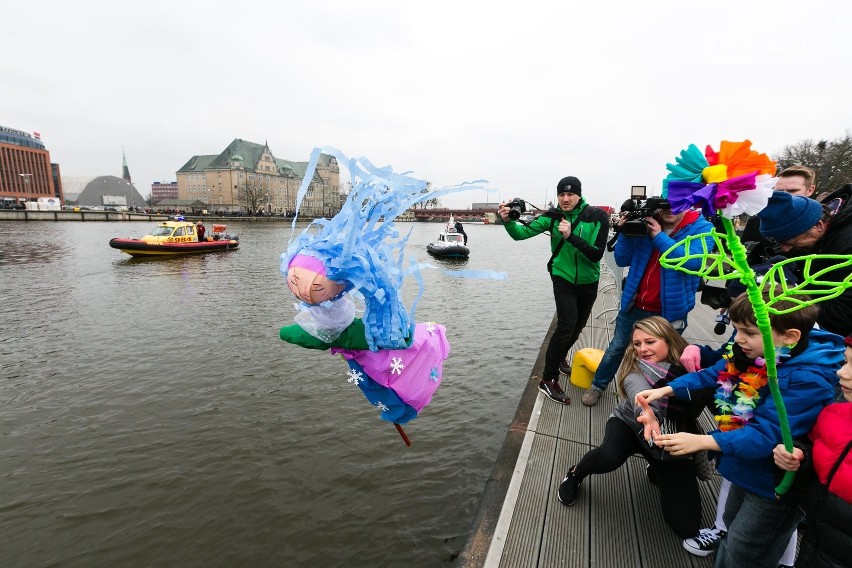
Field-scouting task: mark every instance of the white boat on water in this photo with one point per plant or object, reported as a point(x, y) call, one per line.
point(450, 243)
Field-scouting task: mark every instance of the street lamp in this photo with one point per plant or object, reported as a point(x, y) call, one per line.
point(26, 185)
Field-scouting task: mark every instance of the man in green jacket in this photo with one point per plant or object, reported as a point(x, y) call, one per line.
point(578, 234)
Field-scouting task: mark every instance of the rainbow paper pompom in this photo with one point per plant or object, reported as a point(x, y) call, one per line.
point(732, 181)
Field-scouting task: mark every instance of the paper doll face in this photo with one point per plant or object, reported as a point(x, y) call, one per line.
point(310, 286)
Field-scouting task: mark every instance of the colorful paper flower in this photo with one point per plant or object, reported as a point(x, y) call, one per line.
point(732, 181)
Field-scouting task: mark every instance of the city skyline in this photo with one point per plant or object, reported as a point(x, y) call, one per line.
point(451, 92)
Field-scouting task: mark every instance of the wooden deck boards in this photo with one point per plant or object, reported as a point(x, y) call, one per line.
point(617, 520)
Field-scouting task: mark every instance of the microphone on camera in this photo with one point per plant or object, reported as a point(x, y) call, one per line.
point(722, 321)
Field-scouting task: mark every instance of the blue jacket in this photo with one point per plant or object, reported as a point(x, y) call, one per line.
point(806, 383)
point(677, 289)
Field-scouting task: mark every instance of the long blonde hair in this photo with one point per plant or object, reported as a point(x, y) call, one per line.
point(659, 328)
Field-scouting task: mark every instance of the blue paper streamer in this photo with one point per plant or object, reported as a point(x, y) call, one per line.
point(360, 246)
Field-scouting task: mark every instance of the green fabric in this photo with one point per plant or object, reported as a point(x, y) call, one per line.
point(570, 263)
point(353, 337)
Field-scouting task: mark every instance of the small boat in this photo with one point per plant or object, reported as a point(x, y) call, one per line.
point(450, 243)
point(177, 237)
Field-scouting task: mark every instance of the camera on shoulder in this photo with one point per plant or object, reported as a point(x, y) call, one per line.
point(637, 209)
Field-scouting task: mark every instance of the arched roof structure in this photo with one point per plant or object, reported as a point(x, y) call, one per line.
point(100, 191)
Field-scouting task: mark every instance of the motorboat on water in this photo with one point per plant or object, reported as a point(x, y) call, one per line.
point(450, 243)
point(177, 237)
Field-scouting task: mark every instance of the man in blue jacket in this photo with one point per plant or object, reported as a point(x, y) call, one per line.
point(651, 290)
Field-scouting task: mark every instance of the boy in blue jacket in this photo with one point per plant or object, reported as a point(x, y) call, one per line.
point(759, 525)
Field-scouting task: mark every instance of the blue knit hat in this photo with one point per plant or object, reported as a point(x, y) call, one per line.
point(787, 216)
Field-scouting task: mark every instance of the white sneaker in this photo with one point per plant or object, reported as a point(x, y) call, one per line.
point(705, 542)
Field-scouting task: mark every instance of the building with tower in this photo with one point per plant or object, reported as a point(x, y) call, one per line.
point(246, 177)
point(104, 192)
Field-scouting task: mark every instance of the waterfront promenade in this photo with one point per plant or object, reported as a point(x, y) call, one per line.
point(113, 216)
point(616, 521)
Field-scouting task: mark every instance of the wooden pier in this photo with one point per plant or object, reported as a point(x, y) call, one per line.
point(616, 521)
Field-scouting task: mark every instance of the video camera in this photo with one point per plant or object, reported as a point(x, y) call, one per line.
point(637, 209)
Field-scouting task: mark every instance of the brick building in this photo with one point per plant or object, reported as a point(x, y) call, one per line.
point(26, 173)
point(163, 190)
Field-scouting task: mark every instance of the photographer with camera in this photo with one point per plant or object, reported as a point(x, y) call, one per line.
point(799, 226)
point(578, 235)
point(644, 233)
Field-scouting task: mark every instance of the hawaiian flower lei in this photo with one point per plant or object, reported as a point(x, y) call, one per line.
point(738, 394)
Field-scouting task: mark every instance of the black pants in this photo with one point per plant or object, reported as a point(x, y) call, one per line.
point(573, 305)
point(680, 500)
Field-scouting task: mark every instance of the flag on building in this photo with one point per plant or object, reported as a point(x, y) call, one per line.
point(37, 135)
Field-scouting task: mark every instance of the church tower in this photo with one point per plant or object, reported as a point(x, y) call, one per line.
point(125, 171)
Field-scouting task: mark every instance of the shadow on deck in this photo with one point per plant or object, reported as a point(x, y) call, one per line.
point(617, 520)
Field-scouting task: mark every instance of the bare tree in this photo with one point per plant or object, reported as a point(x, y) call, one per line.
point(252, 195)
point(830, 159)
point(425, 204)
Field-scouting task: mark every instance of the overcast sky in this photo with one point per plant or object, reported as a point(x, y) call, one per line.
point(519, 93)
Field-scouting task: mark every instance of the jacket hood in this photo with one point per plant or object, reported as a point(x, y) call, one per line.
point(844, 216)
point(825, 349)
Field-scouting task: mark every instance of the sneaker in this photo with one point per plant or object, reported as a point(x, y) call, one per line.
point(565, 368)
point(569, 488)
point(591, 396)
point(705, 542)
point(554, 392)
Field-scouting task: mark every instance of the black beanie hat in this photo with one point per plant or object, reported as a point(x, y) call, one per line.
point(569, 184)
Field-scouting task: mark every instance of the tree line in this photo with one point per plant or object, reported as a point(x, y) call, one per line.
point(830, 159)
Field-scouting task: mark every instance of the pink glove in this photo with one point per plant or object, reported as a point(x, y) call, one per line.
point(691, 358)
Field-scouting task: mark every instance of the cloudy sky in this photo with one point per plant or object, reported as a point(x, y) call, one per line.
point(519, 93)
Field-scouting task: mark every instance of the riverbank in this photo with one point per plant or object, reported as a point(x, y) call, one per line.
point(111, 216)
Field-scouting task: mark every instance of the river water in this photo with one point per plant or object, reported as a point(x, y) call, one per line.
point(150, 416)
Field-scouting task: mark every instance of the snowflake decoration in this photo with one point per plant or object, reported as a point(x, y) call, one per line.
point(434, 374)
point(431, 327)
point(355, 377)
point(382, 406)
point(396, 365)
